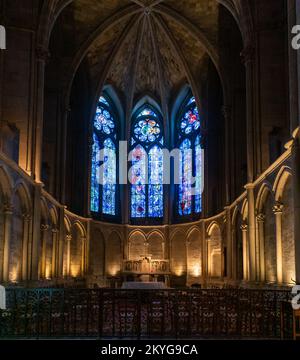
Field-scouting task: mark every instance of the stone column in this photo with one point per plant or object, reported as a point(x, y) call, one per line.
point(42, 55)
point(248, 59)
point(208, 257)
point(260, 218)
point(8, 212)
point(231, 253)
point(36, 235)
point(25, 248)
point(83, 256)
point(204, 254)
point(68, 244)
point(244, 229)
point(296, 198)
point(277, 209)
point(226, 110)
point(55, 248)
point(44, 234)
point(163, 244)
point(251, 232)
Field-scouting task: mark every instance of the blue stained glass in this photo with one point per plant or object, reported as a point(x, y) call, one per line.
point(155, 196)
point(185, 187)
point(191, 101)
point(190, 121)
point(147, 112)
point(103, 100)
point(138, 181)
point(104, 121)
point(109, 178)
point(147, 130)
point(198, 183)
point(94, 176)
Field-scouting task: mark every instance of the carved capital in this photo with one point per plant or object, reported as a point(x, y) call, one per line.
point(27, 217)
point(260, 217)
point(68, 237)
point(8, 209)
point(244, 227)
point(55, 231)
point(277, 208)
point(44, 227)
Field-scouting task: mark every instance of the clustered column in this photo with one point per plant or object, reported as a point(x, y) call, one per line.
point(277, 209)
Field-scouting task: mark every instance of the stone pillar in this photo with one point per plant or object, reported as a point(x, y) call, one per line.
point(36, 235)
point(296, 198)
point(42, 55)
point(248, 59)
point(163, 244)
point(44, 234)
point(228, 153)
point(231, 253)
point(277, 209)
point(8, 212)
point(244, 229)
point(204, 253)
point(68, 245)
point(251, 232)
point(293, 68)
point(55, 255)
point(208, 257)
point(83, 256)
point(61, 243)
point(25, 247)
point(260, 218)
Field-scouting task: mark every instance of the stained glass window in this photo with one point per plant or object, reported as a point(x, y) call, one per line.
point(109, 178)
point(155, 196)
point(147, 112)
point(191, 160)
point(104, 170)
point(95, 196)
point(147, 165)
point(138, 182)
point(185, 188)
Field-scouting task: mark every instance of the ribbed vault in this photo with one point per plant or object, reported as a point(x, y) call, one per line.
point(139, 46)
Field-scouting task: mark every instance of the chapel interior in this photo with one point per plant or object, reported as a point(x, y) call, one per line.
point(217, 77)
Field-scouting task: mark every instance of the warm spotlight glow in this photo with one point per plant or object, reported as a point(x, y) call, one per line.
point(13, 276)
point(75, 271)
point(48, 272)
point(179, 271)
point(196, 271)
point(113, 270)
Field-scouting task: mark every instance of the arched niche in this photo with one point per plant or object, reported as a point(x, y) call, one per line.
point(45, 244)
point(194, 255)
point(66, 248)
point(5, 201)
point(156, 245)
point(76, 250)
point(214, 251)
point(113, 254)
point(288, 240)
point(137, 245)
point(97, 254)
point(178, 259)
point(239, 246)
point(269, 237)
point(21, 207)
